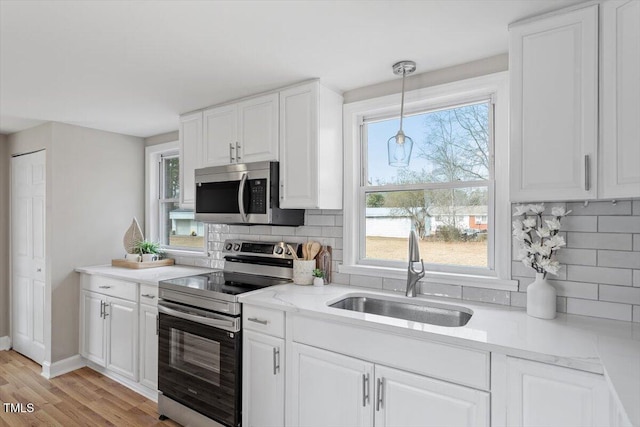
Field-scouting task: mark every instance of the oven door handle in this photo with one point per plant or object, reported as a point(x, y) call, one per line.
point(243, 180)
point(229, 325)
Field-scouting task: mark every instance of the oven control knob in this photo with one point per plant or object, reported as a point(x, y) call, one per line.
point(278, 250)
point(228, 246)
point(236, 247)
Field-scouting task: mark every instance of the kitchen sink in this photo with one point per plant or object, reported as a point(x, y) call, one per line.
point(441, 315)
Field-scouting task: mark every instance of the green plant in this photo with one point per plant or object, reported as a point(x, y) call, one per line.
point(317, 273)
point(148, 247)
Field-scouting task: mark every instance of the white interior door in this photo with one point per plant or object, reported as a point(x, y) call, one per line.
point(28, 182)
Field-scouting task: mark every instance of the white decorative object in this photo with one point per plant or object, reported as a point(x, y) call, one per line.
point(132, 257)
point(303, 271)
point(132, 236)
point(540, 241)
point(541, 298)
point(149, 257)
point(318, 281)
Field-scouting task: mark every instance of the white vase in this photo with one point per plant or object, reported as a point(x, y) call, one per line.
point(541, 298)
point(318, 281)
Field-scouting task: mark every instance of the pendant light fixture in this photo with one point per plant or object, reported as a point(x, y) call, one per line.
point(400, 145)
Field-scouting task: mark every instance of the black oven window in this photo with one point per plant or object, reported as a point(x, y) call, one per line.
point(195, 356)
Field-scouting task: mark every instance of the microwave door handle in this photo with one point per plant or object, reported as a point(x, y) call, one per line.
point(243, 181)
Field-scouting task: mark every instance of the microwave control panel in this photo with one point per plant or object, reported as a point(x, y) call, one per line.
point(258, 203)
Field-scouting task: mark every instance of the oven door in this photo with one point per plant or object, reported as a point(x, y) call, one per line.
point(199, 365)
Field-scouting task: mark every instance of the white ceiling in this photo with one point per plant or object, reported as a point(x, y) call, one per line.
point(133, 66)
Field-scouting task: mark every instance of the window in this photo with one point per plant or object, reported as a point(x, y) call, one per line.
point(446, 185)
point(168, 223)
point(454, 193)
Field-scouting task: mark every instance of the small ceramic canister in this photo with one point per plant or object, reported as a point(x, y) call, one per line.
point(132, 257)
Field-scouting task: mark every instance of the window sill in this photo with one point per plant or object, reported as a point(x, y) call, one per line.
point(474, 281)
point(186, 253)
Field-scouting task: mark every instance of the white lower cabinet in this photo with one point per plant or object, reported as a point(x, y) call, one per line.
point(262, 380)
point(109, 333)
point(332, 390)
point(149, 346)
point(537, 394)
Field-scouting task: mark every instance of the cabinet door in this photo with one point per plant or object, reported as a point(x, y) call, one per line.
point(298, 147)
point(262, 380)
point(220, 136)
point(258, 129)
point(329, 389)
point(553, 67)
point(92, 327)
point(545, 395)
point(149, 346)
point(405, 399)
point(122, 337)
point(190, 153)
point(620, 92)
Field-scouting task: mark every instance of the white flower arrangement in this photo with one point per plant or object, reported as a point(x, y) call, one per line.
point(539, 238)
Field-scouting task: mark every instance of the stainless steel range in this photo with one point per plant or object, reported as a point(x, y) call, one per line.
point(200, 339)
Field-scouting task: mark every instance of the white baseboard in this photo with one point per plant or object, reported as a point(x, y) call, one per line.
point(51, 370)
point(5, 343)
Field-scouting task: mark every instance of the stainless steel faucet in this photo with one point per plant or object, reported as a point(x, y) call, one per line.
point(414, 256)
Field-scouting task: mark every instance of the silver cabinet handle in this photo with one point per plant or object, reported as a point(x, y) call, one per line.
point(238, 151)
point(276, 360)
point(231, 158)
point(148, 296)
point(256, 320)
point(365, 389)
point(380, 388)
point(104, 287)
point(101, 309)
point(587, 173)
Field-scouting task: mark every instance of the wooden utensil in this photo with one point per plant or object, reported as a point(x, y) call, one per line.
point(295, 255)
point(304, 251)
point(315, 248)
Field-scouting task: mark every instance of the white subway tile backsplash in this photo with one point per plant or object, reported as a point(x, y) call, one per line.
point(575, 289)
point(617, 224)
point(395, 285)
point(520, 270)
point(518, 299)
point(611, 241)
point(486, 295)
point(636, 278)
point(636, 242)
point(561, 304)
point(619, 259)
point(441, 290)
point(320, 220)
point(580, 223)
point(600, 208)
point(339, 278)
point(366, 281)
point(283, 231)
point(611, 276)
point(307, 230)
point(636, 313)
point(331, 232)
point(636, 207)
point(577, 256)
point(608, 310)
point(622, 294)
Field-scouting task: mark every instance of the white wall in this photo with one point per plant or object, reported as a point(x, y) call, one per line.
point(162, 138)
point(4, 236)
point(95, 185)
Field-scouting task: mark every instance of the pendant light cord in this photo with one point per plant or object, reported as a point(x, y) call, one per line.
point(402, 99)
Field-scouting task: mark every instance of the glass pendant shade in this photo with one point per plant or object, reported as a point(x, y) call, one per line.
point(399, 147)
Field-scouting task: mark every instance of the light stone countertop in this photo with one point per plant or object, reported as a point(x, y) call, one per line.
point(147, 276)
point(601, 346)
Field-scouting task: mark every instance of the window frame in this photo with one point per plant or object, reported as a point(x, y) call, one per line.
point(494, 87)
point(153, 157)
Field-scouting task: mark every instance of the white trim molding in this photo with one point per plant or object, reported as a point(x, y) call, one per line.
point(5, 343)
point(52, 370)
point(493, 85)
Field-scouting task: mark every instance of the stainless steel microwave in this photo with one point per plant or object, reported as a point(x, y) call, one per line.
point(243, 193)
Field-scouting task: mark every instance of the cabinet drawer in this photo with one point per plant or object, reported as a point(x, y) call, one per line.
point(263, 320)
point(148, 294)
point(112, 287)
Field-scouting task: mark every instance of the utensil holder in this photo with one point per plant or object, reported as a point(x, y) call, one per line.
point(303, 271)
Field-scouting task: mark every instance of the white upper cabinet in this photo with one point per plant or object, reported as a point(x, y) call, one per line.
point(241, 132)
point(190, 155)
point(310, 147)
point(620, 100)
point(553, 65)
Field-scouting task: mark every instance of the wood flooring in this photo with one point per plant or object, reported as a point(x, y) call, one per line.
point(80, 398)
